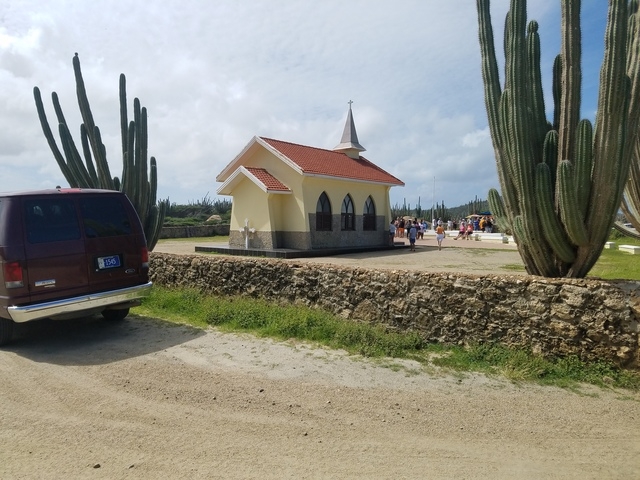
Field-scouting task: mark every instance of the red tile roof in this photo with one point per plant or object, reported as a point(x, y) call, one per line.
point(317, 161)
point(268, 180)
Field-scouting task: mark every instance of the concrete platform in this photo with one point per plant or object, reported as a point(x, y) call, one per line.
point(292, 253)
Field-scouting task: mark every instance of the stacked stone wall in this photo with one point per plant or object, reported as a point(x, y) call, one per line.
point(595, 320)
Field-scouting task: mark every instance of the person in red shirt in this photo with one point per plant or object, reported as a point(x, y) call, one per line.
point(469, 231)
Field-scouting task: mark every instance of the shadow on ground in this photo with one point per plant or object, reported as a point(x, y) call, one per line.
point(95, 341)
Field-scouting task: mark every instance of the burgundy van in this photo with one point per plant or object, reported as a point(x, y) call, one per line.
point(68, 253)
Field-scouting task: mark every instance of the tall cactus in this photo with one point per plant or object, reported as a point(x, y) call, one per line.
point(561, 183)
point(94, 172)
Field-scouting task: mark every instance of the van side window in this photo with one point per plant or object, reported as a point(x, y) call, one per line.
point(104, 217)
point(51, 220)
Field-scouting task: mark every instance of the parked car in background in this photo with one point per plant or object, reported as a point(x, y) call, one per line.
point(67, 253)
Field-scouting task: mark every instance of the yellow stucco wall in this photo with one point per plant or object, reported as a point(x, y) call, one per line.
point(250, 202)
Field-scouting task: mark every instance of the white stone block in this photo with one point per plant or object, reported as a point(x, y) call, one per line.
point(632, 249)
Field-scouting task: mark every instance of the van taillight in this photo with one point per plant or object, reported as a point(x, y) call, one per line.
point(13, 275)
point(145, 257)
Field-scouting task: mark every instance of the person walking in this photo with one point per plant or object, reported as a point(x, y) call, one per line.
point(440, 236)
point(412, 237)
point(462, 231)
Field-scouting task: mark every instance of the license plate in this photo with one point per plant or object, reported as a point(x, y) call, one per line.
point(111, 261)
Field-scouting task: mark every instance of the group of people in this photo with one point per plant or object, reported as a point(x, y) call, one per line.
point(414, 229)
point(475, 224)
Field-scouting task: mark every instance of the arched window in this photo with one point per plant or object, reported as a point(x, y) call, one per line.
point(369, 215)
point(323, 213)
point(347, 217)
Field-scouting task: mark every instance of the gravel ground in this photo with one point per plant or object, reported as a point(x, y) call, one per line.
point(144, 399)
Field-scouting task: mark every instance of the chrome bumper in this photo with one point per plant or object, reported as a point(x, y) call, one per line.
point(78, 304)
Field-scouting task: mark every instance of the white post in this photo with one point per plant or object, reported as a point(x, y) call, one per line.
point(246, 233)
point(433, 204)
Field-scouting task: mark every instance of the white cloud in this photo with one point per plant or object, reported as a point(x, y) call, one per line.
point(214, 74)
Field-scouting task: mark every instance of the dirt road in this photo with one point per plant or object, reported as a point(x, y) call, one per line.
point(143, 399)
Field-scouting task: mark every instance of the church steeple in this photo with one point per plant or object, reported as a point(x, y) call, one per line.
point(349, 144)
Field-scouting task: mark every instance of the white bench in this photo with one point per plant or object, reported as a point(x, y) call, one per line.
point(632, 249)
point(610, 245)
point(491, 237)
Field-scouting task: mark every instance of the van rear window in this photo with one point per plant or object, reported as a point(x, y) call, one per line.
point(51, 220)
point(104, 217)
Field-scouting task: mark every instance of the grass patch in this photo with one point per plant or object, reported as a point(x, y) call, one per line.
point(514, 267)
point(264, 319)
point(518, 365)
point(616, 265)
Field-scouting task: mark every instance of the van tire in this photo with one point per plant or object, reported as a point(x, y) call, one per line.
point(115, 315)
point(6, 330)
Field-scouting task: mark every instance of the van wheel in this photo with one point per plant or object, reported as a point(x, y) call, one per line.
point(6, 330)
point(115, 315)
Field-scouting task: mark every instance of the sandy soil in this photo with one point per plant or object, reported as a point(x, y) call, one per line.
point(145, 399)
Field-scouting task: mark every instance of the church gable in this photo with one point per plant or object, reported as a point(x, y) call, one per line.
point(260, 176)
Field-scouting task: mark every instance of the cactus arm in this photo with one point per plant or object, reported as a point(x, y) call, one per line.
point(569, 208)
point(583, 165)
point(127, 162)
point(102, 167)
point(143, 168)
point(519, 137)
point(557, 90)
point(549, 222)
point(490, 73)
point(538, 118)
point(492, 89)
point(610, 103)
point(76, 167)
point(48, 134)
point(57, 108)
point(496, 204)
point(124, 122)
point(136, 157)
point(86, 150)
point(550, 153)
point(104, 175)
point(153, 182)
point(570, 53)
point(535, 262)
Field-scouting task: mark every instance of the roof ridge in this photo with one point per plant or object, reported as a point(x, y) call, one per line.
point(301, 145)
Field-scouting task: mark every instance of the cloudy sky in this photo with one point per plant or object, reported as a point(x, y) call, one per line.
point(214, 73)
